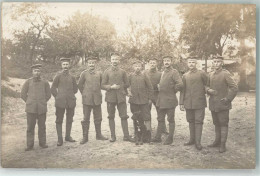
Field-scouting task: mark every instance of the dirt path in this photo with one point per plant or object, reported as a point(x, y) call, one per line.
point(105, 155)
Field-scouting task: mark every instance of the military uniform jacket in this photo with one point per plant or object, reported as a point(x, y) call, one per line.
point(64, 88)
point(154, 76)
point(193, 94)
point(36, 93)
point(226, 87)
point(169, 85)
point(90, 87)
point(141, 88)
point(117, 76)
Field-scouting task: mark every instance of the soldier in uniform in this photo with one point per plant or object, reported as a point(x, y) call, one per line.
point(154, 75)
point(64, 88)
point(36, 93)
point(193, 100)
point(169, 85)
point(140, 91)
point(115, 82)
point(90, 87)
point(222, 90)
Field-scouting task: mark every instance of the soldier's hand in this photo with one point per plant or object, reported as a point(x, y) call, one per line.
point(158, 87)
point(130, 94)
point(182, 108)
point(212, 92)
point(115, 86)
point(225, 100)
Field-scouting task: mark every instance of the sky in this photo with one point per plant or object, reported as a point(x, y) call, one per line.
point(118, 13)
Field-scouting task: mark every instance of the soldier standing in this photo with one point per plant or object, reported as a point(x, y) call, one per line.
point(115, 82)
point(154, 75)
point(169, 85)
point(222, 90)
point(193, 100)
point(140, 91)
point(90, 87)
point(64, 88)
point(36, 93)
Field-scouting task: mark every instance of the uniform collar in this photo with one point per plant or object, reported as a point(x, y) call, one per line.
point(65, 72)
point(168, 69)
point(36, 79)
point(153, 70)
point(193, 70)
point(217, 71)
point(137, 73)
point(92, 71)
point(114, 68)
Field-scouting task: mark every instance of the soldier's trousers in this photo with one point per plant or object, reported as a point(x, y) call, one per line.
point(150, 107)
point(60, 115)
point(140, 110)
point(220, 118)
point(31, 122)
point(195, 115)
point(121, 107)
point(170, 112)
point(97, 113)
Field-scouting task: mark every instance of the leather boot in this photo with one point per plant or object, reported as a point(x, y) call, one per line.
point(112, 130)
point(224, 134)
point(198, 133)
point(169, 139)
point(124, 125)
point(148, 133)
point(164, 129)
point(192, 134)
point(68, 131)
point(158, 135)
point(99, 135)
point(85, 128)
point(59, 133)
point(216, 143)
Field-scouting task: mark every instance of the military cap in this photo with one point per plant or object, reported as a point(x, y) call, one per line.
point(170, 57)
point(114, 54)
point(64, 59)
point(195, 57)
point(36, 66)
point(152, 58)
point(92, 58)
point(136, 61)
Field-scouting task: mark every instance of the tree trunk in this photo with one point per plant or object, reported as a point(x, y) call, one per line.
point(243, 84)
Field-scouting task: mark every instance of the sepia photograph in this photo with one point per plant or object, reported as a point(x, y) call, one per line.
point(128, 85)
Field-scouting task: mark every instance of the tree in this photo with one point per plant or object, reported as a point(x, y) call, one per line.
point(207, 28)
point(37, 21)
point(82, 35)
point(144, 42)
point(219, 29)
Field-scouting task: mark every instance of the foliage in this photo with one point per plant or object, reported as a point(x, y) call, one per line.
point(208, 29)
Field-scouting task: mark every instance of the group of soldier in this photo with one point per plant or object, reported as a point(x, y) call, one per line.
point(144, 88)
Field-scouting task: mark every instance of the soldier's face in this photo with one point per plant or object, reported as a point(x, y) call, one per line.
point(91, 64)
point(36, 73)
point(152, 64)
point(217, 63)
point(137, 67)
point(114, 60)
point(65, 65)
point(167, 62)
point(192, 63)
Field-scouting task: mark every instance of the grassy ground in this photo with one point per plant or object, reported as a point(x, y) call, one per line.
point(105, 155)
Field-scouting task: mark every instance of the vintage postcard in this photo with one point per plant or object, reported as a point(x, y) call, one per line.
point(128, 85)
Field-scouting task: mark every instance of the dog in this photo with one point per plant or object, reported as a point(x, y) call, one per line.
point(140, 129)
